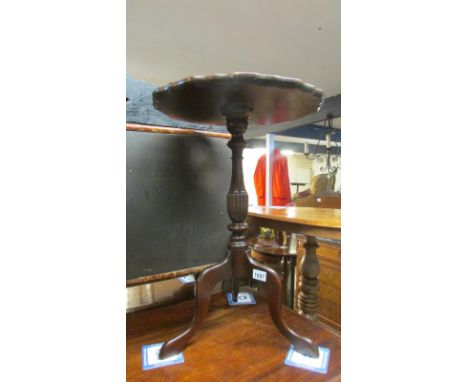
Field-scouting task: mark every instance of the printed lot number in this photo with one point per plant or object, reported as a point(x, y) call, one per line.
point(259, 275)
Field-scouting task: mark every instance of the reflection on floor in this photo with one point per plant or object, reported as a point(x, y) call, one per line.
point(161, 292)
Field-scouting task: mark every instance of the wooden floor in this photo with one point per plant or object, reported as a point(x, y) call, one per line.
point(235, 344)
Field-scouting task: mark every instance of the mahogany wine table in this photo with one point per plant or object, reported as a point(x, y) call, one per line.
point(308, 221)
point(235, 100)
point(237, 343)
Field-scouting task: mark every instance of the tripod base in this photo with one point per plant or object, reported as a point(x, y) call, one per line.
point(242, 265)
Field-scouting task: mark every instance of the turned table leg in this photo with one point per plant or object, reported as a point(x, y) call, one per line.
point(308, 299)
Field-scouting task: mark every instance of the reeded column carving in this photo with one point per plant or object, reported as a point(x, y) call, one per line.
point(308, 298)
point(237, 198)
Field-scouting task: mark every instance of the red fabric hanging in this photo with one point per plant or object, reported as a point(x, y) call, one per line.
point(281, 193)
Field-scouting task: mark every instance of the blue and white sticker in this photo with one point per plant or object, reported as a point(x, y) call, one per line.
point(151, 359)
point(243, 298)
point(319, 365)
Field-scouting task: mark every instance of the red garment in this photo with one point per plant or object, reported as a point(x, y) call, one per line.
point(281, 193)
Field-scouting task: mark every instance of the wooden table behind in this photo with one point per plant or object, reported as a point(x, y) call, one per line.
point(313, 222)
point(235, 344)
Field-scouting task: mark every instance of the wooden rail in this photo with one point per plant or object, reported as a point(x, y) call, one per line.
point(166, 276)
point(174, 130)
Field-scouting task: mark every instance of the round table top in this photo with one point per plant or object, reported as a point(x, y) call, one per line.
point(273, 99)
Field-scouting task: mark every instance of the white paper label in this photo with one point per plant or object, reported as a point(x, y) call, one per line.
point(187, 279)
point(259, 275)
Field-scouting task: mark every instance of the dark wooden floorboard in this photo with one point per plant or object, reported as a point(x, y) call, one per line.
point(234, 344)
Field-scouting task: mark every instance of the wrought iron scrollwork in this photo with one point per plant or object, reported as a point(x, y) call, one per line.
point(330, 161)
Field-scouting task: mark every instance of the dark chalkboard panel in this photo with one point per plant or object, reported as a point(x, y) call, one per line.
point(176, 202)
